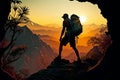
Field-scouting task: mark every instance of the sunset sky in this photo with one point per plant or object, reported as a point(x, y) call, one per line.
point(47, 12)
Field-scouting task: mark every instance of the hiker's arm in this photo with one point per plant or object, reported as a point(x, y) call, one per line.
point(62, 32)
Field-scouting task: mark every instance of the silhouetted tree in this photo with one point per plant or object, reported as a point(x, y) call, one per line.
point(102, 40)
point(5, 8)
point(14, 15)
point(18, 15)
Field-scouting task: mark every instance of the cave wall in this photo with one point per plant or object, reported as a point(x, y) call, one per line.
point(109, 65)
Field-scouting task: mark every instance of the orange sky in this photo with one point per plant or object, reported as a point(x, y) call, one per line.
point(46, 12)
point(49, 12)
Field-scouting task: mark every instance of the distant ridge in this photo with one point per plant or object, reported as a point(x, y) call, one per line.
point(37, 56)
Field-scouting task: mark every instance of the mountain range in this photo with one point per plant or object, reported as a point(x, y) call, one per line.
point(42, 46)
point(37, 56)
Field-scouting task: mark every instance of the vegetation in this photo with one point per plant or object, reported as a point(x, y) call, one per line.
point(101, 39)
point(9, 53)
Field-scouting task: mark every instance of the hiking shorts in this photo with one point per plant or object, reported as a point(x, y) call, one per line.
point(66, 39)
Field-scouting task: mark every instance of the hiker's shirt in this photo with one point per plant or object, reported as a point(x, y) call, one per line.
point(67, 24)
point(68, 27)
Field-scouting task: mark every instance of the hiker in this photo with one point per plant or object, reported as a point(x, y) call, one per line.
point(68, 36)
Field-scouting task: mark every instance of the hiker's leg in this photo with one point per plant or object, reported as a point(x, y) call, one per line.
point(77, 53)
point(73, 45)
point(60, 50)
point(63, 42)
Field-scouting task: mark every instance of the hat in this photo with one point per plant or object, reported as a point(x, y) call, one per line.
point(65, 15)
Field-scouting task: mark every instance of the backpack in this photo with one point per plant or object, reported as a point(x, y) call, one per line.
point(76, 25)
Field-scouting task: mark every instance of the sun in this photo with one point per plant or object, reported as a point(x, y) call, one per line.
point(82, 19)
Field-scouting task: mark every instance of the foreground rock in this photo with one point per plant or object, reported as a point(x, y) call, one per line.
point(62, 70)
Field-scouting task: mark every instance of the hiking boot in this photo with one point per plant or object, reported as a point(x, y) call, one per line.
point(79, 61)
